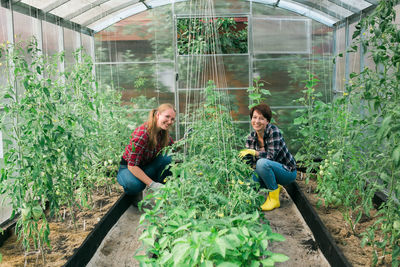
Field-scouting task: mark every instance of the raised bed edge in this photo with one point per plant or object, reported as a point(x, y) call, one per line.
point(8, 226)
point(88, 248)
point(321, 234)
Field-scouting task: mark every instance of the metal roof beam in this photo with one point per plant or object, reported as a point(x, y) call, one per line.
point(134, 9)
point(302, 10)
point(144, 3)
point(108, 12)
point(54, 5)
point(374, 2)
point(40, 14)
point(346, 6)
point(355, 17)
point(323, 9)
point(85, 8)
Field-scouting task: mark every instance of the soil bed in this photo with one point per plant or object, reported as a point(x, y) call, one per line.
point(64, 239)
point(332, 218)
point(121, 243)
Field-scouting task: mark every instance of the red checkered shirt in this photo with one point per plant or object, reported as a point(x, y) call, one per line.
point(141, 154)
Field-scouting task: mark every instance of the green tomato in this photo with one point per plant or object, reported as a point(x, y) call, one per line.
point(338, 202)
point(25, 213)
point(37, 212)
point(396, 225)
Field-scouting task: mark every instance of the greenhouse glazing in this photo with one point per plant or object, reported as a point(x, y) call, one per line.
point(140, 50)
point(128, 43)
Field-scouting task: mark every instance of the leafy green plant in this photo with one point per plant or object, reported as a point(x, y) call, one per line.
point(313, 125)
point(256, 94)
point(207, 212)
point(361, 151)
point(58, 129)
point(194, 35)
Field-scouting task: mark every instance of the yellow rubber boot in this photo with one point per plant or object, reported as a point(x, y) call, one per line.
point(272, 201)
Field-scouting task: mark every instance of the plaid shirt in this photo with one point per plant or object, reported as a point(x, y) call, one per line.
point(141, 155)
point(275, 147)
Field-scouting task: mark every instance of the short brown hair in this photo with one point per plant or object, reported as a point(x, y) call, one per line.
point(264, 109)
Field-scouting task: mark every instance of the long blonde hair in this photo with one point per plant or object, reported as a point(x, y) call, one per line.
point(152, 126)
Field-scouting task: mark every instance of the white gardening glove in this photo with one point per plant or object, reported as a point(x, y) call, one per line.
point(155, 185)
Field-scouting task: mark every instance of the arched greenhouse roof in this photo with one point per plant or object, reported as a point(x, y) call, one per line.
point(95, 15)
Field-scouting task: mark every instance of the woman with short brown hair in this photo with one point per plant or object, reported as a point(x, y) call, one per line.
point(273, 162)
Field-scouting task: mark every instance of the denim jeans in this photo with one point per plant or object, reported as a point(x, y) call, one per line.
point(272, 173)
point(155, 170)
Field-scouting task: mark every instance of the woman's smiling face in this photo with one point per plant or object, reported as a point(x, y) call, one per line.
point(258, 121)
point(165, 119)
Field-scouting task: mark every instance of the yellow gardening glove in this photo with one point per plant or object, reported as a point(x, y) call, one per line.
point(245, 152)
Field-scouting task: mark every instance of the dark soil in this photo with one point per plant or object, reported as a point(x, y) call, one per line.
point(64, 238)
point(349, 243)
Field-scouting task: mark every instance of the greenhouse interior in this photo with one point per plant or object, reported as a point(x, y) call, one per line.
point(200, 133)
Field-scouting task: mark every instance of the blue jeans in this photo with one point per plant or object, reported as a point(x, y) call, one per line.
point(154, 170)
point(272, 173)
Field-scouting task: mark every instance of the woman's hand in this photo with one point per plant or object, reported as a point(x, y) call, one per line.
point(245, 152)
point(155, 185)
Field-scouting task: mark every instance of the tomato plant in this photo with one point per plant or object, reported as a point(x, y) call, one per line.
point(191, 37)
point(207, 213)
point(58, 129)
point(357, 136)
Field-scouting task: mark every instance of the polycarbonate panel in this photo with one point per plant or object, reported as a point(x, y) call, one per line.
point(5, 208)
point(274, 35)
point(327, 7)
point(132, 39)
point(189, 102)
point(320, 61)
point(107, 9)
point(24, 27)
point(105, 20)
point(340, 61)
point(165, 77)
point(354, 57)
point(87, 43)
point(322, 39)
point(217, 7)
point(104, 49)
point(148, 79)
point(4, 23)
point(3, 26)
point(51, 38)
point(227, 71)
point(259, 9)
point(3, 40)
point(106, 76)
point(40, 4)
point(284, 120)
point(353, 4)
point(71, 44)
point(284, 77)
point(71, 6)
point(239, 104)
point(163, 25)
point(100, 14)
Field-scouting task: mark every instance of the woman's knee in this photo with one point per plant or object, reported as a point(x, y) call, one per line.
point(165, 160)
point(262, 164)
point(129, 182)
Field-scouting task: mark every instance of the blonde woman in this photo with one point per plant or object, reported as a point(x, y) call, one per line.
point(141, 164)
